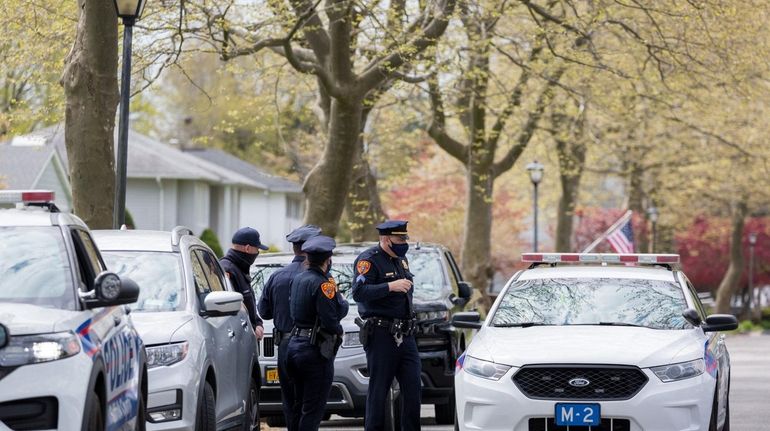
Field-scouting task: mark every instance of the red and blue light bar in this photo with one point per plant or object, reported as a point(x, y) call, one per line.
point(26, 196)
point(649, 259)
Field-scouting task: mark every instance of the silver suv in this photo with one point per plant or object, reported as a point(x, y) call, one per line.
point(199, 341)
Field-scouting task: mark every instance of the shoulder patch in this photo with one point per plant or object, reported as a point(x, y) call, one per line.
point(363, 266)
point(329, 289)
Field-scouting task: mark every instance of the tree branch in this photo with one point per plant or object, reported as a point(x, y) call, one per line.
point(437, 129)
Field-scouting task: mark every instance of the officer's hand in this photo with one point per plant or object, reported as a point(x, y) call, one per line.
point(259, 332)
point(401, 286)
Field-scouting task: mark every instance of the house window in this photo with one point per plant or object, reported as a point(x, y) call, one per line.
point(293, 208)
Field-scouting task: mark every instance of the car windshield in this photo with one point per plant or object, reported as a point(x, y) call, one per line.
point(158, 273)
point(34, 267)
point(592, 301)
point(342, 273)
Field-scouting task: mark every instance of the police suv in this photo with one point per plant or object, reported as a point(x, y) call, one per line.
point(70, 356)
point(596, 342)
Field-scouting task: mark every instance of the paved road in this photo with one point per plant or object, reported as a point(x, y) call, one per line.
point(749, 394)
point(750, 387)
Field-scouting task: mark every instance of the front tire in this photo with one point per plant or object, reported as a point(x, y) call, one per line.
point(445, 413)
point(141, 412)
point(251, 418)
point(206, 417)
point(95, 414)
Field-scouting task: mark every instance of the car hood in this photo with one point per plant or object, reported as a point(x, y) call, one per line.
point(157, 327)
point(22, 319)
point(642, 347)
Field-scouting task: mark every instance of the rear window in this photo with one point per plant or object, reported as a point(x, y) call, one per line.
point(592, 301)
point(34, 267)
point(158, 274)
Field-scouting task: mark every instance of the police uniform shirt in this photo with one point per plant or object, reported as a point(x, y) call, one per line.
point(274, 302)
point(374, 269)
point(313, 295)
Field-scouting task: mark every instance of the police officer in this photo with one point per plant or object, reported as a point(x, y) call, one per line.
point(317, 309)
point(237, 264)
point(274, 304)
point(383, 290)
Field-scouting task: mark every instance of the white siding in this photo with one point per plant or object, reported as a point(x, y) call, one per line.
point(193, 205)
point(143, 202)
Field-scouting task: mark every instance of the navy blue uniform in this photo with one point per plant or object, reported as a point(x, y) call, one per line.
point(314, 300)
point(274, 304)
point(386, 359)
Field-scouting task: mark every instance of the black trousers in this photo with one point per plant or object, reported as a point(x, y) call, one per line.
point(311, 375)
point(387, 361)
point(287, 387)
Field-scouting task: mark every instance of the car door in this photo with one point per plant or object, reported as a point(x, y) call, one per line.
point(220, 332)
point(110, 332)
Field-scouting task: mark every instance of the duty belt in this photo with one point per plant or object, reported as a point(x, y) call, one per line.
point(395, 326)
point(302, 332)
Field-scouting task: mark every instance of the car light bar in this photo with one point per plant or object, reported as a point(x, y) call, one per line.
point(651, 259)
point(26, 196)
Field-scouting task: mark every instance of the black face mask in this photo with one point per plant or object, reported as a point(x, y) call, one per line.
point(247, 258)
point(400, 249)
point(329, 269)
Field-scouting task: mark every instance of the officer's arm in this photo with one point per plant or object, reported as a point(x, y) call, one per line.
point(365, 287)
point(248, 299)
point(343, 306)
point(265, 306)
point(326, 309)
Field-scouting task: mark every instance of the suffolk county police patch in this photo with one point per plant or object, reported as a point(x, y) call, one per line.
point(363, 266)
point(329, 289)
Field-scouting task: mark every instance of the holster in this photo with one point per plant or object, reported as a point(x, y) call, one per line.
point(366, 329)
point(328, 343)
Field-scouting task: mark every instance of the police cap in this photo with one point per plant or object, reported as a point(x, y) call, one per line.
point(393, 227)
point(319, 244)
point(248, 236)
point(303, 233)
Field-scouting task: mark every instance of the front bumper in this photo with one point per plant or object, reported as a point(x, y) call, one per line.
point(170, 388)
point(499, 405)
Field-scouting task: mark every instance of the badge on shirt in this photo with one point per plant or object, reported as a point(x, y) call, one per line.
point(329, 289)
point(363, 266)
point(405, 265)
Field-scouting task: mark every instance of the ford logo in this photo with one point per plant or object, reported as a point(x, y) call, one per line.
point(579, 382)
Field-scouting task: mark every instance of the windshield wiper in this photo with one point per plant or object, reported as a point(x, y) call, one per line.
point(620, 324)
point(523, 324)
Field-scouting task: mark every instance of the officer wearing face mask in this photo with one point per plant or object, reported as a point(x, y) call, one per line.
point(383, 290)
point(237, 263)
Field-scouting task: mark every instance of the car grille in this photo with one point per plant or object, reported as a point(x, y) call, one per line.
point(549, 424)
point(268, 348)
point(604, 382)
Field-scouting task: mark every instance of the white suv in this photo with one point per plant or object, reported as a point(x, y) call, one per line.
point(588, 342)
point(201, 348)
point(71, 358)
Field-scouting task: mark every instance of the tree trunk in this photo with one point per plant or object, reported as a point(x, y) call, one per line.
point(571, 163)
point(91, 91)
point(730, 283)
point(326, 186)
point(364, 208)
point(476, 254)
point(636, 204)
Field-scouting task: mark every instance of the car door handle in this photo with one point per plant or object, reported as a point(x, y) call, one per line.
point(230, 332)
point(244, 324)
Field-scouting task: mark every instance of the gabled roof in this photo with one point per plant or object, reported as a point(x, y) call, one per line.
point(234, 164)
point(24, 157)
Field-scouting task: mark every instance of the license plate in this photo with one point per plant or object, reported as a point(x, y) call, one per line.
point(568, 414)
point(271, 375)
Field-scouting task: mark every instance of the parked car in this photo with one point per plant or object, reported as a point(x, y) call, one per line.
point(201, 348)
point(438, 289)
point(70, 357)
point(585, 342)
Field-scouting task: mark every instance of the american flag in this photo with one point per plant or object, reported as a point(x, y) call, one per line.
point(622, 239)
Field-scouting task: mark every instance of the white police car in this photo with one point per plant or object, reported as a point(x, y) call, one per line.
point(72, 358)
point(585, 342)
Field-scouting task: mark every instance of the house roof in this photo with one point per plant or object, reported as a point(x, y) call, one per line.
point(234, 164)
point(23, 158)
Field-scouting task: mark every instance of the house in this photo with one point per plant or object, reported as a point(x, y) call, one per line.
point(167, 186)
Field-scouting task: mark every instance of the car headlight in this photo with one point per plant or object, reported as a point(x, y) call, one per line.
point(166, 354)
point(680, 371)
point(433, 315)
point(484, 369)
point(351, 339)
point(33, 349)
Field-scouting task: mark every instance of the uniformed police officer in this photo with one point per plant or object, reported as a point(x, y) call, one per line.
point(274, 304)
point(237, 264)
point(383, 290)
point(317, 309)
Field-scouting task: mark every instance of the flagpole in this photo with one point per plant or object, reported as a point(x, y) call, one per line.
point(607, 233)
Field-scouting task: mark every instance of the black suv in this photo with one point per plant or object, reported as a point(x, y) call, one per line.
point(439, 290)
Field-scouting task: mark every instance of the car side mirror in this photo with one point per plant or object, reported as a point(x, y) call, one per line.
point(464, 289)
point(110, 290)
point(720, 322)
point(222, 304)
point(467, 319)
point(692, 317)
point(4, 336)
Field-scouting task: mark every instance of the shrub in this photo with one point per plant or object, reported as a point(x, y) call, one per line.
point(210, 238)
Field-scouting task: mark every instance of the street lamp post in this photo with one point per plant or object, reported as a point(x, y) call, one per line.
point(652, 213)
point(752, 243)
point(535, 170)
point(129, 11)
